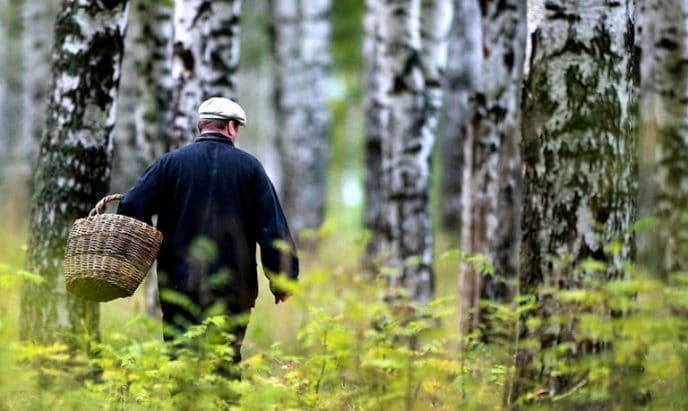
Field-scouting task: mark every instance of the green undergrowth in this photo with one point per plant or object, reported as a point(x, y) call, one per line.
point(336, 345)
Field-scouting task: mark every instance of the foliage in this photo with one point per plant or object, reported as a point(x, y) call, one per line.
point(337, 345)
point(344, 349)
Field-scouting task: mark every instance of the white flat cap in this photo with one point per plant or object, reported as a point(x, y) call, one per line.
point(220, 108)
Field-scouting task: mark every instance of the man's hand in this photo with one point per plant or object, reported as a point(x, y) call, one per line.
point(281, 297)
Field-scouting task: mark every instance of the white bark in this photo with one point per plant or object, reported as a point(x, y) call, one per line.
point(536, 12)
point(463, 65)
point(3, 94)
point(576, 134)
point(301, 45)
point(73, 170)
point(410, 84)
point(36, 48)
point(579, 153)
point(125, 169)
point(664, 138)
point(154, 74)
point(492, 165)
point(205, 62)
point(153, 115)
point(11, 77)
point(143, 129)
point(373, 145)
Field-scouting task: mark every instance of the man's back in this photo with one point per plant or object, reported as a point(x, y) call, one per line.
point(214, 203)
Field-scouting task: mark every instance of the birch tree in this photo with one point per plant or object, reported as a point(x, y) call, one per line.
point(578, 151)
point(73, 171)
point(154, 74)
point(373, 217)
point(36, 49)
point(664, 138)
point(11, 77)
point(147, 74)
point(205, 60)
point(143, 128)
point(153, 116)
point(125, 167)
point(663, 146)
point(3, 93)
point(492, 174)
point(410, 79)
point(463, 65)
point(302, 50)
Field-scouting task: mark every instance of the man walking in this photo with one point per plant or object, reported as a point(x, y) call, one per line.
point(214, 204)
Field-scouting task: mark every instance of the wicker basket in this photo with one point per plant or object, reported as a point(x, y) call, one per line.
point(108, 255)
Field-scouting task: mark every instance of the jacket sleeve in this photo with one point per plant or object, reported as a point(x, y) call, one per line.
point(277, 248)
point(142, 200)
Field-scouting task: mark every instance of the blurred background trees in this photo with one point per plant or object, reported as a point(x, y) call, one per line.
point(345, 103)
point(491, 205)
point(205, 60)
point(301, 46)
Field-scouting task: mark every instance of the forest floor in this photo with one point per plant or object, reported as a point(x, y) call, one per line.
point(324, 348)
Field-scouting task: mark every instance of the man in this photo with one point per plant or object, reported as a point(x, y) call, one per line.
point(214, 204)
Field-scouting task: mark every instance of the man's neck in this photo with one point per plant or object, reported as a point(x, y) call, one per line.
point(207, 131)
point(216, 132)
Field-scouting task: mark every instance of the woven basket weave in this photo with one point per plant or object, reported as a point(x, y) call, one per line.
point(108, 255)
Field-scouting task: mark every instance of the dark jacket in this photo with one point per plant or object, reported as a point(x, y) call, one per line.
point(214, 203)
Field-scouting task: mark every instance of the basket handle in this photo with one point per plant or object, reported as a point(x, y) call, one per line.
point(98, 209)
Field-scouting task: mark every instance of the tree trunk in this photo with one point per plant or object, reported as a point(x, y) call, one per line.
point(4, 143)
point(144, 134)
point(73, 171)
point(663, 148)
point(153, 115)
point(409, 78)
point(664, 140)
point(37, 46)
point(492, 199)
point(205, 60)
point(578, 150)
point(154, 74)
point(12, 103)
point(463, 65)
point(125, 168)
point(373, 217)
point(301, 46)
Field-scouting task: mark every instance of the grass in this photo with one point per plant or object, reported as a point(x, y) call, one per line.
point(336, 345)
point(322, 349)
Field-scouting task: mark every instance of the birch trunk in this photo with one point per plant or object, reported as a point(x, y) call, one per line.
point(410, 82)
point(153, 116)
point(373, 217)
point(664, 140)
point(3, 93)
point(125, 169)
point(73, 171)
point(143, 130)
point(36, 49)
point(492, 167)
point(463, 65)
point(663, 151)
point(205, 60)
point(578, 148)
point(149, 45)
point(154, 79)
point(12, 104)
point(301, 46)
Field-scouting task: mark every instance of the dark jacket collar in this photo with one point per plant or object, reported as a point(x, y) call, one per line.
point(214, 137)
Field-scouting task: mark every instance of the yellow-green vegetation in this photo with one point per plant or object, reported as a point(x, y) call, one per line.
point(337, 345)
